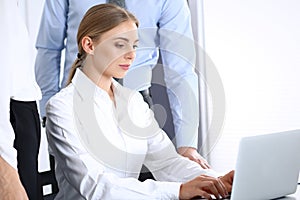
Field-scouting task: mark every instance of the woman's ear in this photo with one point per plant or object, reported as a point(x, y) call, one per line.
point(87, 45)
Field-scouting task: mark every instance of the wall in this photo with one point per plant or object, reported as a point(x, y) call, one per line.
point(254, 46)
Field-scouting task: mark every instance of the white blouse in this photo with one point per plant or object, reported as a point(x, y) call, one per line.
point(100, 146)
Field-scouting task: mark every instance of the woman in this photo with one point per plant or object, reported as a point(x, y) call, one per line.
point(101, 133)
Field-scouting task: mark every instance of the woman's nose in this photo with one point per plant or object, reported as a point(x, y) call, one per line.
point(130, 55)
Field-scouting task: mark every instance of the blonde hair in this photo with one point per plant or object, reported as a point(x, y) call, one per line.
point(96, 21)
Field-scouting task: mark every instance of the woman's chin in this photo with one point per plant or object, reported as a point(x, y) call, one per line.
point(120, 75)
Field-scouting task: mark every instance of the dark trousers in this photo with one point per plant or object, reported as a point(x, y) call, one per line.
point(145, 173)
point(25, 121)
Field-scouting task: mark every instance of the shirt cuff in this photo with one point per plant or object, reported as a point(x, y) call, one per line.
point(187, 140)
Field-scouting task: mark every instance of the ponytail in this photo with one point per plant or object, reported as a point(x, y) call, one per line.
point(77, 64)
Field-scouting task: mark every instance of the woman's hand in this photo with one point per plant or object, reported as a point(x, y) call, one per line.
point(227, 180)
point(205, 186)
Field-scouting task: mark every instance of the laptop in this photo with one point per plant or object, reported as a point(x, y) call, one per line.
point(267, 166)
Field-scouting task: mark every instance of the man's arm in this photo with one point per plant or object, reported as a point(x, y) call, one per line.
point(10, 184)
point(178, 56)
point(50, 43)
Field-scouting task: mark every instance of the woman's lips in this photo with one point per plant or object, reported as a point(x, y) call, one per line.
point(125, 67)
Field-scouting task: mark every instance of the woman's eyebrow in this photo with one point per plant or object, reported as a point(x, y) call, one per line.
point(125, 39)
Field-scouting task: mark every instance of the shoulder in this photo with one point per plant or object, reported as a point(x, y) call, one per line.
point(167, 4)
point(61, 100)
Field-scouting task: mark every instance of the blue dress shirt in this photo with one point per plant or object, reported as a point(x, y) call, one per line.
point(165, 25)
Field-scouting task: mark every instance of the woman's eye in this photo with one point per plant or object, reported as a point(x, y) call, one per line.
point(119, 45)
point(135, 46)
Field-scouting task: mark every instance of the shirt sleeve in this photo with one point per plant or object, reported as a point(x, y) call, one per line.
point(49, 44)
point(162, 158)
point(7, 13)
point(84, 173)
point(166, 164)
point(178, 57)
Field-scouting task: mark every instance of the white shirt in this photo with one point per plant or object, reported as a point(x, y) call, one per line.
point(103, 160)
point(17, 72)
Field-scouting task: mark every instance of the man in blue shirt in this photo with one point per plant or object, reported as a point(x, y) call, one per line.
point(165, 28)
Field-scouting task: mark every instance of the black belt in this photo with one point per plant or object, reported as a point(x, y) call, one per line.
point(147, 97)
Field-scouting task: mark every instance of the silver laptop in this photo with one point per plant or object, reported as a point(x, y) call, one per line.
point(267, 166)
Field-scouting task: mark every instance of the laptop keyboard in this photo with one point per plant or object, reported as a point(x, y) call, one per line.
point(213, 197)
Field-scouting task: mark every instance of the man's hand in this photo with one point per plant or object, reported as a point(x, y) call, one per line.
point(193, 155)
point(10, 184)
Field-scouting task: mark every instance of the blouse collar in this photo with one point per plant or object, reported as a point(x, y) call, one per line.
point(87, 89)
